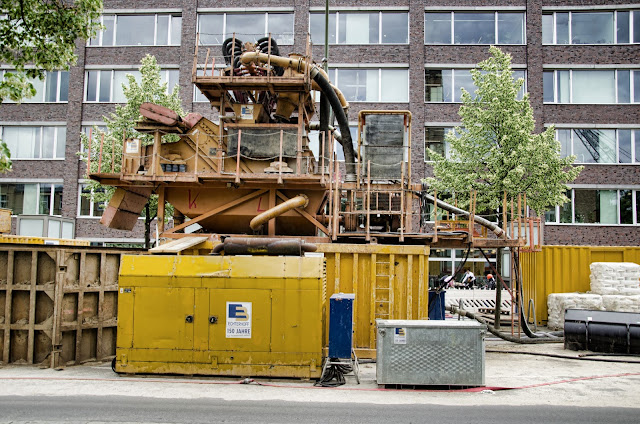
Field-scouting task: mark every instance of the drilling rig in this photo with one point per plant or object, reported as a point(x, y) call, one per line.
point(245, 294)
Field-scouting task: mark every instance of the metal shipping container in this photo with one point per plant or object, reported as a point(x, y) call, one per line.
point(565, 269)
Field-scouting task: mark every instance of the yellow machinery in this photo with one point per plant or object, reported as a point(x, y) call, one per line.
point(221, 315)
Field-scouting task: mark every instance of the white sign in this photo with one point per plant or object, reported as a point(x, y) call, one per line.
point(246, 112)
point(133, 146)
point(238, 320)
point(399, 335)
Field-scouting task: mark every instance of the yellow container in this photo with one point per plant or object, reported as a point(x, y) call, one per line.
point(565, 269)
point(389, 282)
point(8, 238)
point(221, 315)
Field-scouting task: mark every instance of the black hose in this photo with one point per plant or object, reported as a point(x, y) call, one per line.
point(343, 122)
point(455, 310)
point(334, 372)
point(263, 46)
point(553, 355)
point(325, 111)
point(523, 319)
point(227, 49)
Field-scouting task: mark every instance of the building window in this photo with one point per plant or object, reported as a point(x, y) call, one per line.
point(314, 144)
point(612, 27)
point(54, 88)
point(92, 131)
point(139, 30)
point(474, 28)
point(602, 86)
point(596, 206)
point(214, 28)
point(361, 27)
point(444, 85)
point(372, 84)
point(434, 139)
point(41, 142)
point(31, 199)
point(105, 86)
point(87, 206)
point(591, 145)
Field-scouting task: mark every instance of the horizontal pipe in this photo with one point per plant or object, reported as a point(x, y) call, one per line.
point(478, 219)
point(299, 201)
point(263, 246)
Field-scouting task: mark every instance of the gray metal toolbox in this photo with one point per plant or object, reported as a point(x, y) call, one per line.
point(420, 352)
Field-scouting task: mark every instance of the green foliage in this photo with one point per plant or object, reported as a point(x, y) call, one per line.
point(39, 36)
point(120, 126)
point(495, 149)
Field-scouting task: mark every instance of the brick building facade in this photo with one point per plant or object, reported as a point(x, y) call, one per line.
point(584, 80)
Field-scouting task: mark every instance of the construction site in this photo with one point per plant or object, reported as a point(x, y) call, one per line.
point(283, 261)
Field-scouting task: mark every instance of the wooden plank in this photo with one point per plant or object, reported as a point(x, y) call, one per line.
point(32, 306)
point(80, 307)
point(7, 309)
point(179, 245)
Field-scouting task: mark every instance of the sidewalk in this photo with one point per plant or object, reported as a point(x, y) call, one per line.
point(535, 379)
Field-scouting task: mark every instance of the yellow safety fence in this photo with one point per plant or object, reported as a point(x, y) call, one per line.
point(565, 269)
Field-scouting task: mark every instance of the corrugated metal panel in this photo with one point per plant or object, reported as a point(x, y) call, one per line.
point(389, 282)
point(565, 269)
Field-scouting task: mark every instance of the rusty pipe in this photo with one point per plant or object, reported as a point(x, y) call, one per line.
point(297, 64)
point(299, 201)
point(263, 246)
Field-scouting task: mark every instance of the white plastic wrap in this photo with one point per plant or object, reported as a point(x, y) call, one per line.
point(558, 302)
point(615, 278)
point(621, 303)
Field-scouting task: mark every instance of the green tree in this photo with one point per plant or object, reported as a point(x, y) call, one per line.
point(495, 149)
point(39, 36)
point(120, 125)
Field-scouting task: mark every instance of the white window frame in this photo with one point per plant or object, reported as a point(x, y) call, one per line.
point(266, 23)
point(42, 127)
point(554, 36)
point(634, 98)
point(39, 185)
point(448, 126)
point(40, 96)
point(81, 185)
point(164, 75)
point(453, 81)
point(336, 81)
point(635, 192)
point(617, 145)
point(380, 13)
point(495, 27)
point(171, 15)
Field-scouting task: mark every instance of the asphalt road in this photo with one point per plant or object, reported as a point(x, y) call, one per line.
point(95, 409)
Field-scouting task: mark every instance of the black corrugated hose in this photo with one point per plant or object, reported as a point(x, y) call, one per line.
point(334, 372)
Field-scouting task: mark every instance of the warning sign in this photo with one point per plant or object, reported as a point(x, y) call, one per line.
point(238, 320)
point(400, 335)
